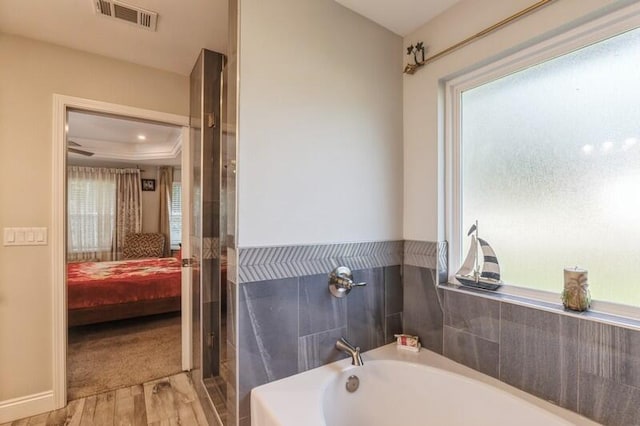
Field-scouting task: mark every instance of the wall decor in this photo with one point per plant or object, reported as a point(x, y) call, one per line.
point(148, 184)
point(414, 50)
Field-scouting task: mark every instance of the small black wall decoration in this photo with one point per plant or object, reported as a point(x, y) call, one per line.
point(148, 184)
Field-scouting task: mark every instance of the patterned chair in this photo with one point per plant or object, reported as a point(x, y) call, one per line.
point(139, 246)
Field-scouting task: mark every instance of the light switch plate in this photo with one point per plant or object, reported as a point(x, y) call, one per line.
point(25, 237)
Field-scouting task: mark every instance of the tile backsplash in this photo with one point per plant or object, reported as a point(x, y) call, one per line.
point(288, 322)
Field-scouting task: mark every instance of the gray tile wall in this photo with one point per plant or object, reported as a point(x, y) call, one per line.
point(423, 300)
point(573, 361)
point(290, 325)
point(422, 311)
point(579, 364)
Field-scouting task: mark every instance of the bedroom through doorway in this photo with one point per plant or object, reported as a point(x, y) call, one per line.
point(125, 188)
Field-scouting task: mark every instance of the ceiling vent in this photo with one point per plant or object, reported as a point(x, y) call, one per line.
point(125, 12)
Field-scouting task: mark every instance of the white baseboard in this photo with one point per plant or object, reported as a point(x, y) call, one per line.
point(26, 406)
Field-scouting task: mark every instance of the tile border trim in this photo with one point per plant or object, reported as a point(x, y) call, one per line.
point(270, 263)
point(426, 254)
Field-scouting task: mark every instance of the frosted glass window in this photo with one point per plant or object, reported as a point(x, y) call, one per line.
point(550, 166)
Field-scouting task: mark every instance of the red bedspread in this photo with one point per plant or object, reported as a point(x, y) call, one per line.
point(92, 284)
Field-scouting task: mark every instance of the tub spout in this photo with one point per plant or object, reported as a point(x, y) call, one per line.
point(354, 352)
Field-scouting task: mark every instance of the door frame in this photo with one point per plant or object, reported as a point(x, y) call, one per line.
point(57, 237)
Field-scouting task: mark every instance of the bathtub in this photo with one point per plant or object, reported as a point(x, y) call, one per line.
point(401, 388)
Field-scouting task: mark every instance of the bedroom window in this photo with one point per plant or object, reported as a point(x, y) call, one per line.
point(175, 219)
point(547, 159)
point(91, 207)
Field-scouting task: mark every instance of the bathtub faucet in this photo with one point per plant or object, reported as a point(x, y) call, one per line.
point(346, 347)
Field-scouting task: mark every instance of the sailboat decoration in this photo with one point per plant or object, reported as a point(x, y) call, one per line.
point(471, 274)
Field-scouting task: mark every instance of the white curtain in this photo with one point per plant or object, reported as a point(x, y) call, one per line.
point(128, 207)
point(91, 213)
point(103, 206)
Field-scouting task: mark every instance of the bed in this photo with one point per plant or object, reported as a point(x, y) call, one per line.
point(107, 291)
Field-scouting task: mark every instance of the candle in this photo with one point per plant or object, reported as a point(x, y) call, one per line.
point(576, 289)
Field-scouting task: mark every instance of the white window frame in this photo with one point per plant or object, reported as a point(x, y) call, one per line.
point(612, 24)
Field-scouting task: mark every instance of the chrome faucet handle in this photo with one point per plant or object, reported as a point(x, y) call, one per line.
point(341, 281)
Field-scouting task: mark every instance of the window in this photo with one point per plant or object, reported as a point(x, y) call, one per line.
point(175, 219)
point(91, 209)
point(547, 159)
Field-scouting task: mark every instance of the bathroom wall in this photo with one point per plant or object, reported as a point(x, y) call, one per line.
point(422, 101)
point(580, 362)
point(320, 126)
point(319, 184)
point(577, 361)
point(288, 322)
point(422, 303)
point(30, 74)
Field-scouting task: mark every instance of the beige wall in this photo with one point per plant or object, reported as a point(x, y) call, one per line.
point(150, 201)
point(320, 125)
point(423, 100)
point(30, 73)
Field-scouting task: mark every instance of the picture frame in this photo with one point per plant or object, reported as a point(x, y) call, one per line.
point(148, 184)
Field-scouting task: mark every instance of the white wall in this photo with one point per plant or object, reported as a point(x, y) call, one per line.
point(320, 125)
point(423, 123)
point(30, 73)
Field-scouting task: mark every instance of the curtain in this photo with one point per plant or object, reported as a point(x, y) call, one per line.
point(128, 207)
point(91, 207)
point(165, 187)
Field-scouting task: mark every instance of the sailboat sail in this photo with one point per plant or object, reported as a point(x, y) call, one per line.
point(490, 268)
point(469, 262)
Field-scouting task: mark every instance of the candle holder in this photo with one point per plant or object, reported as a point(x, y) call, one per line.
point(576, 295)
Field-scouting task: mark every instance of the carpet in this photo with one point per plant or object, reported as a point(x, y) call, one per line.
point(102, 357)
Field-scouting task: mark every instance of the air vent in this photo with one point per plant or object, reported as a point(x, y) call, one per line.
point(104, 7)
point(127, 13)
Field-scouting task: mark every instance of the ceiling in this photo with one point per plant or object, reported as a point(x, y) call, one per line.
point(184, 27)
point(400, 16)
point(118, 140)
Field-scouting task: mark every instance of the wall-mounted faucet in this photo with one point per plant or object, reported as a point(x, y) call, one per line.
point(341, 281)
point(354, 352)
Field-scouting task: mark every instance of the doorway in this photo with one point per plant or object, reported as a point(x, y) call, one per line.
point(124, 232)
point(63, 107)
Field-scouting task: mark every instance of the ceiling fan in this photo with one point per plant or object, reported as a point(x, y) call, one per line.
point(72, 144)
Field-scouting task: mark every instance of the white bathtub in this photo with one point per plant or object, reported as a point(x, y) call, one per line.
point(401, 388)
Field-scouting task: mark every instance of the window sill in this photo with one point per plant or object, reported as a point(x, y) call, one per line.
point(606, 313)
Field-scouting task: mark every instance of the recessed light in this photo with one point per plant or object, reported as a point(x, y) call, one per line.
point(142, 137)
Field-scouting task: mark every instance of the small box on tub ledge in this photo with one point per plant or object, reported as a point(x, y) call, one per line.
point(408, 342)
point(575, 295)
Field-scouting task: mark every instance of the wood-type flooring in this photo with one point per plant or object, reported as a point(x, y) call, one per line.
point(168, 401)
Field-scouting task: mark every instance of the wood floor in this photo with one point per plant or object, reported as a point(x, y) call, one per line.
point(168, 401)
